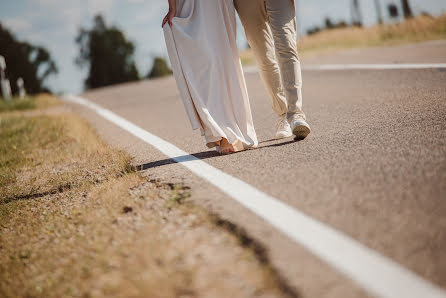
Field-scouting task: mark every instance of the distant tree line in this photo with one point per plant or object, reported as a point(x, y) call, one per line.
point(356, 15)
point(30, 62)
point(103, 49)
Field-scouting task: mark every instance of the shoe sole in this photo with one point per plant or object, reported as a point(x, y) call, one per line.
point(301, 131)
point(278, 137)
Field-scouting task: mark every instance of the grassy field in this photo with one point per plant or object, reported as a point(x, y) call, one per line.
point(76, 219)
point(421, 28)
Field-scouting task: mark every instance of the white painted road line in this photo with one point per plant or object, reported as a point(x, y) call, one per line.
point(396, 66)
point(377, 274)
point(374, 66)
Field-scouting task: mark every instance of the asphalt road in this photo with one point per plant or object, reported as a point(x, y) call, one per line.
point(374, 166)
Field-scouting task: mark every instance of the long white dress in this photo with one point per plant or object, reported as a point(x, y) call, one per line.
point(203, 53)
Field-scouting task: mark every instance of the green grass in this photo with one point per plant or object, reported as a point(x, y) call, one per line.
point(17, 104)
point(39, 101)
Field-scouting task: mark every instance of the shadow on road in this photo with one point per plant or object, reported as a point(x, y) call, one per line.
point(205, 155)
point(179, 159)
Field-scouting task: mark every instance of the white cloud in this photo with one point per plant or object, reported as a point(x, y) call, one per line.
point(17, 24)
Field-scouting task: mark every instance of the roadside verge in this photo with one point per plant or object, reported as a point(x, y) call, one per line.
point(77, 220)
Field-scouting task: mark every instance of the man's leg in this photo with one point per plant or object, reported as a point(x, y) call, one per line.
point(258, 33)
point(282, 19)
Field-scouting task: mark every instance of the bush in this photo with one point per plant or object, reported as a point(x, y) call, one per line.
point(159, 68)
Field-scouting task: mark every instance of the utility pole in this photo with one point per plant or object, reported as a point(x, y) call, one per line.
point(4, 82)
point(356, 13)
point(378, 12)
point(407, 11)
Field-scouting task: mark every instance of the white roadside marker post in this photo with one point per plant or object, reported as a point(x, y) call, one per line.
point(21, 87)
point(5, 85)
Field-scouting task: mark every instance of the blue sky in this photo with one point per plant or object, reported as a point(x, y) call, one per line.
point(54, 25)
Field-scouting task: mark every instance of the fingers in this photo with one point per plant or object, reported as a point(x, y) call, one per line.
point(167, 19)
point(170, 18)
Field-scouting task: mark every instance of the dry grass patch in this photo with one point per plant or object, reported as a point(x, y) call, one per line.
point(76, 220)
point(418, 29)
point(46, 100)
point(46, 154)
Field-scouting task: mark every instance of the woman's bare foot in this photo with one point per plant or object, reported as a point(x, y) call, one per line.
point(225, 147)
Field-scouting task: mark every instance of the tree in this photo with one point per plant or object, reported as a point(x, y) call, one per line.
point(329, 23)
point(107, 53)
point(407, 11)
point(32, 63)
point(159, 68)
point(393, 11)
